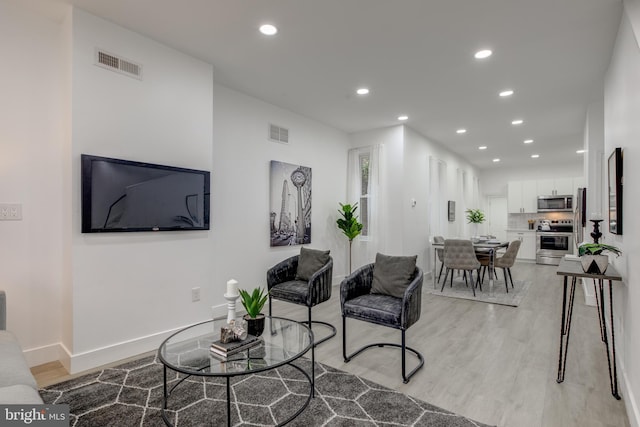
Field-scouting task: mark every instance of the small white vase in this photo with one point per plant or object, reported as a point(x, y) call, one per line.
point(594, 264)
point(474, 230)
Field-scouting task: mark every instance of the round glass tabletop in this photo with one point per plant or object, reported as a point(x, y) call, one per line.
point(189, 350)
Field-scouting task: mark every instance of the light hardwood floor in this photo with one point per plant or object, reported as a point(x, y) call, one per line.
point(492, 363)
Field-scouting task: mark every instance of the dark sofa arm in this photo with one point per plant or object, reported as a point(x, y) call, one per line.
point(3, 311)
point(357, 283)
point(284, 271)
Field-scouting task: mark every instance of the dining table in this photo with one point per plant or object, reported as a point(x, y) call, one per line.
point(485, 247)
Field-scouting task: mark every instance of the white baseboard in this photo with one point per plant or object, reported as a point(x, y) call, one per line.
point(94, 358)
point(45, 354)
point(630, 402)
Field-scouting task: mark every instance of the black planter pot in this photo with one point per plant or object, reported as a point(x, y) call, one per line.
point(255, 326)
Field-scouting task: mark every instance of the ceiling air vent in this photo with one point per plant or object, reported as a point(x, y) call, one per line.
point(278, 134)
point(118, 64)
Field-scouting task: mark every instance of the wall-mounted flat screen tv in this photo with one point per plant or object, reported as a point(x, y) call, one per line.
point(123, 195)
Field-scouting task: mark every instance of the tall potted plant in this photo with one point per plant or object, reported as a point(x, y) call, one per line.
point(349, 224)
point(475, 217)
point(253, 303)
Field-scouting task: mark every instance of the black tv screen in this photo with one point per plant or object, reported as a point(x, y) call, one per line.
point(123, 195)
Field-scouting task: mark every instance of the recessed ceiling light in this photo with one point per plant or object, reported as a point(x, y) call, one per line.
point(482, 147)
point(535, 156)
point(403, 118)
point(481, 54)
point(461, 131)
point(496, 160)
point(268, 29)
point(362, 91)
point(507, 92)
point(580, 151)
point(517, 122)
point(528, 141)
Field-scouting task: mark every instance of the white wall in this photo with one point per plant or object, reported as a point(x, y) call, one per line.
point(594, 158)
point(33, 118)
point(622, 129)
point(130, 287)
point(89, 299)
point(242, 155)
point(407, 177)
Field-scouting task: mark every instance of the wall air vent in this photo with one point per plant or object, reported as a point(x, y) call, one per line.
point(278, 134)
point(118, 64)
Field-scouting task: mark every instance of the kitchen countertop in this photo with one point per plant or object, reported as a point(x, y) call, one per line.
point(520, 230)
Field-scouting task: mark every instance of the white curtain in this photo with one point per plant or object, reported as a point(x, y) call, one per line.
point(438, 218)
point(366, 247)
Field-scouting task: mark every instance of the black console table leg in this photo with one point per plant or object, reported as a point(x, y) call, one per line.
point(611, 353)
point(565, 327)
point(228, 401)
point(600, 305)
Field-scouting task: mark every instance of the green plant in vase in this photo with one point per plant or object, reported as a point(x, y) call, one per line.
point(253, 303)
point(597, 249)
point(593, 258)
point(349, 224)
point(475, 217)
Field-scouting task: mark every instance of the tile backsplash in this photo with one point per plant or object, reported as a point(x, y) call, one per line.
point(519, 221)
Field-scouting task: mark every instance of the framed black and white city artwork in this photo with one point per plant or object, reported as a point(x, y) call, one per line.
point(290, 204)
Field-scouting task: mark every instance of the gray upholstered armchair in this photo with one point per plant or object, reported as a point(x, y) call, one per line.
point(358, 302)
point(306, 286)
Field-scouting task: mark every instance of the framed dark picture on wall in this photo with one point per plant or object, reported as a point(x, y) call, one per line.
point(615, 191)
point(451, 206)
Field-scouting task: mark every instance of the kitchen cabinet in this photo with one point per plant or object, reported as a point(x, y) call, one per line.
point(556, 187)
point(522, 196)
point(527, 250)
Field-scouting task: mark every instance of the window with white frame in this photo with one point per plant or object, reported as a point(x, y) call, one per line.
point(364, 159)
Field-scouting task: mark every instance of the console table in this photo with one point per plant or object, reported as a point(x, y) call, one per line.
point(573, 269)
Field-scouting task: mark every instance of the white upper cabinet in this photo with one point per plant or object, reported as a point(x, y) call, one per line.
point(522, 196)
point(556, 187)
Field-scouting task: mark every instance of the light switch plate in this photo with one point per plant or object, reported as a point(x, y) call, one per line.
point(10, 212)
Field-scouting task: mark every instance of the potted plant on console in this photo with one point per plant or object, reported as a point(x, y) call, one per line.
point(593, 259)
point(253, 303)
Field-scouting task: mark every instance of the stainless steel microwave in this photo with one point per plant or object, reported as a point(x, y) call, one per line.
point(555, 203)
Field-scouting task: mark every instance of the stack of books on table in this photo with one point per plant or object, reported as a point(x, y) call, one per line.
point(224, 350)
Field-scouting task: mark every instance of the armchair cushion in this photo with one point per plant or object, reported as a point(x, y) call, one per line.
point(310, 261)
point(392, 274)
point(375, 308)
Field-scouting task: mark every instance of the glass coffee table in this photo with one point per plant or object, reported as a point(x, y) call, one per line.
point(187, 352)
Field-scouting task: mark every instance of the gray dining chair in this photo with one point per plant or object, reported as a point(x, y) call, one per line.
point(440, 252)
point(505, 262)
point(460, 255)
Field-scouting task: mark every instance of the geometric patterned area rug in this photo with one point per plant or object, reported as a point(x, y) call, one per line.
point(131, 395)
point(460, 290)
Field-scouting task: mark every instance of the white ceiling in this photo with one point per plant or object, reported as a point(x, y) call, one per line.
point(416, 56)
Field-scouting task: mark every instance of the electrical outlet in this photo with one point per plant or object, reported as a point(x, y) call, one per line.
point(195, 294)
point(10, 212)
